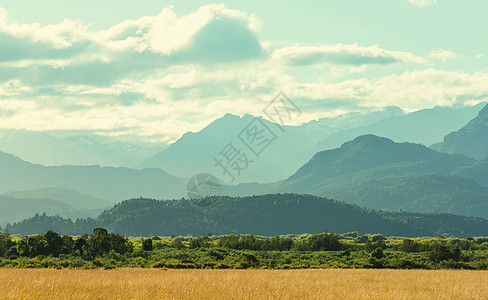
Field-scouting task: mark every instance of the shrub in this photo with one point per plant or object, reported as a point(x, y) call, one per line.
point(377, 253)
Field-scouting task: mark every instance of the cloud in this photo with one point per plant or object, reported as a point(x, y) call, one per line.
point(160, 76)
point(443, 54)
point(71, 53)
point(422, 3)
point(341, 54)
point(189, 98)
point(410, 90)
point(208, 46)
point(209, 24)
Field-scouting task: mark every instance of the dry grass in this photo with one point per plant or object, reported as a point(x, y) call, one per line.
point(242, 284)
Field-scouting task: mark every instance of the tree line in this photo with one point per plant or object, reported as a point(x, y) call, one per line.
point(273, 214)
point(106, 249)
point(51, 243)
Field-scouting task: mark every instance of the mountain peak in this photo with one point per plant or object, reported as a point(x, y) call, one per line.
point(393, 109)
point(370, 157)
point(368, 140)
point(230, 116)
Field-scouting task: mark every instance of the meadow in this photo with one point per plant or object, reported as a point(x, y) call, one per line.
point(133, 283)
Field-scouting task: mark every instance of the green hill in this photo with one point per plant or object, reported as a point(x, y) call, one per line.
point(477, 171)
point(429, 193)
point(262, 215)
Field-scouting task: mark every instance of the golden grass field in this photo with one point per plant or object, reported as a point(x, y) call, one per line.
point(242, 284)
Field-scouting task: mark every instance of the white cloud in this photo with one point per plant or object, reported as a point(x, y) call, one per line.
point(59, 36)
point(3, 15)
point(411, 90)
point(170, 33)
point(181, 101)
point(422, 3)
point(443, 54)
point(163, 36)
point(341, 54)
point(158, 76)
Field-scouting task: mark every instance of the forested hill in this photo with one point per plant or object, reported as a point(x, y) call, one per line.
point(370, 157)
point(263, 215)
point(426, 194)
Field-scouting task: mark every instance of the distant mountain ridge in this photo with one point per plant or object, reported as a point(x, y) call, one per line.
point(72, 150)
point(194, 152)
point(426, 126)
point(471, 140)
point(295, 145)
point(16, 206)
point(102, 182)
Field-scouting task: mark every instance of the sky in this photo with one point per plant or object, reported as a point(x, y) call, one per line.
point(153, 70)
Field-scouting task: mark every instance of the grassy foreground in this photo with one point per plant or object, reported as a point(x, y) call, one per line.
point(242, 284)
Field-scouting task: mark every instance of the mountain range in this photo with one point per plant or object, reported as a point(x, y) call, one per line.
point(370, 157)
point(368, 170)
point(46, 149)
point(106, 183)
point(294, 145)
point(195, 152)
point(471, 140)
point(20, 205)
point(426, 126)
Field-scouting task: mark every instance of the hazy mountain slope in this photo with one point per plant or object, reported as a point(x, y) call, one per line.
point(427, 126)
point(69, 197)
point(427, 194)
point(193, 152)
point(477, 171)
point(46, 149)
point(264, 215)
point(471, 140)
point(14, 209)
point(16, 206)
point(355, 119)
point(249, 189)
point(369, 157)
point(101, 182)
